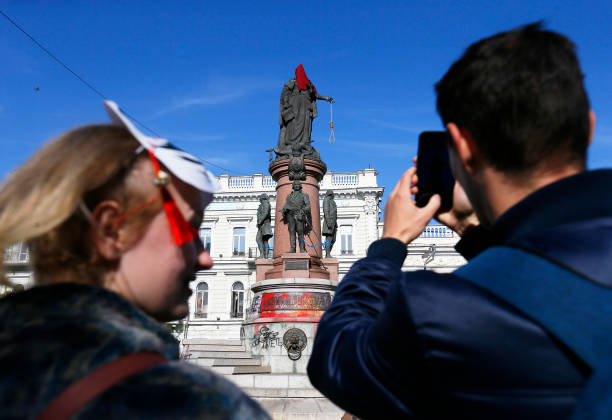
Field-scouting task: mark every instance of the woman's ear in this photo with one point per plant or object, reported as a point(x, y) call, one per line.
point(105, 233)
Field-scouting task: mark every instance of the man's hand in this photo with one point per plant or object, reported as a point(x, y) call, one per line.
point(403, 219)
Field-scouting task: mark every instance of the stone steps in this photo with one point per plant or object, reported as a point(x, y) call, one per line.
point(222, 370)
point(237, 362)
point(283, 396)
point(300, 408)
point(288, 396)
point(273, 380)
point(283, 393)
point(214, 347)
point(225, 357)
point(246, 370)
point(220, 354)
point(207, 341)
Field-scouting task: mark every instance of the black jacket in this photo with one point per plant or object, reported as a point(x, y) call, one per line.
point(427, 345)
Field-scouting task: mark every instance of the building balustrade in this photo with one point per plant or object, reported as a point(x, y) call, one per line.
point(243, 183)
point(267, 181)
point(437, 231)
point(344, 179)
point(240, 182)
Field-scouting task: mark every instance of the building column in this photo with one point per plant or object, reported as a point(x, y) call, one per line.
point(371, 210)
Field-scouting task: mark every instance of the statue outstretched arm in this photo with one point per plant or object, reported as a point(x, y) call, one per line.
point(324, 98)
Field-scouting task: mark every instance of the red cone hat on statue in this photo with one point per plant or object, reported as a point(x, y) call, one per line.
point(302, 80)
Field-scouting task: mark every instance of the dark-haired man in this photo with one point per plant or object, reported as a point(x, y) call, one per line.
point(430, 345)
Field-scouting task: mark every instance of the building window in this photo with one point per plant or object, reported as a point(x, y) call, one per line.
point(205, 235)
point(346, 240)
point(202, 301)
point(237, 300)
point(17, 253)
point(239, 240)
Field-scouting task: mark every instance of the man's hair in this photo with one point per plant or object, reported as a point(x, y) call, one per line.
point(521, 95)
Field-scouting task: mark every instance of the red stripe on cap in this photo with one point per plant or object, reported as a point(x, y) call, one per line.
point(182, 231)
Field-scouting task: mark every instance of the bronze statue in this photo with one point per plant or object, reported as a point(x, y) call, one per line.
point(264, 230)
point(298, 107)
point(296, 214)
point(330, 224)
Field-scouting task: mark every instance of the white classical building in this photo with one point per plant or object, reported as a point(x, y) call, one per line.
point(229, 230)
point(221, 294)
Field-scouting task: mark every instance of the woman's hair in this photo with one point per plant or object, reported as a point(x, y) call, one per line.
point(46, 202)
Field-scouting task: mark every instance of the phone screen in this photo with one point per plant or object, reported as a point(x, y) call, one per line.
point(433, 169)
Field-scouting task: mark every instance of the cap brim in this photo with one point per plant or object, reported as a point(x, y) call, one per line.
point(183, 165)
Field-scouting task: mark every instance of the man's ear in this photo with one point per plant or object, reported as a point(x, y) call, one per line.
point(466, 148)
point(591, 125)
point(105, 232)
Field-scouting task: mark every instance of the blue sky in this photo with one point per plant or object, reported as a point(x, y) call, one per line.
point(208, 75)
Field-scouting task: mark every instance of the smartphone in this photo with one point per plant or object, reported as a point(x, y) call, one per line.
point(433, 169)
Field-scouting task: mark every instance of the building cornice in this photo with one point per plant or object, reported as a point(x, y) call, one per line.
point(237, 272)
point(240, 218)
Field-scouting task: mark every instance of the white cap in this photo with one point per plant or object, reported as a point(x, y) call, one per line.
point(184, 166)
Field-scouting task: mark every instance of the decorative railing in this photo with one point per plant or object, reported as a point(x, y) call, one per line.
point(241, 182)
point(437, 231)
point(345, 180)
point(267, 181)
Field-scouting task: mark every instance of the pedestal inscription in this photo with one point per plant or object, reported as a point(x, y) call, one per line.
point(296, 265)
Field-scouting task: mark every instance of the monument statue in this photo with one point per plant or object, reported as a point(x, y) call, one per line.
point(296, 214)
point(264, 230)
point(330, 223)
point(298, 107)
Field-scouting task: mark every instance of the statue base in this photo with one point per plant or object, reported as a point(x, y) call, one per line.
point(282, 319)
point(292, 290)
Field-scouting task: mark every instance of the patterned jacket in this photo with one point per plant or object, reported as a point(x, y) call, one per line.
point(51, 336)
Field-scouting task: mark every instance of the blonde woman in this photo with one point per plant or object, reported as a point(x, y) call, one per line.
point(111, 218)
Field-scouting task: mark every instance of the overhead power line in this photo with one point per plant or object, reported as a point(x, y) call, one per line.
point(50, 54)
point(92, 88)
